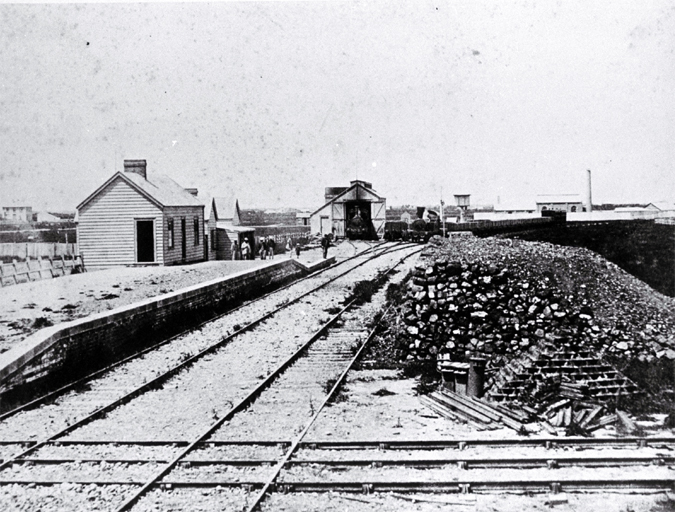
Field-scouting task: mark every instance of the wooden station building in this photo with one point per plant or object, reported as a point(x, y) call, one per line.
point(133, 220)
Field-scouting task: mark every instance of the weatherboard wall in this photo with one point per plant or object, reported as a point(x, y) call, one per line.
point(106, 229)
point(174, 255)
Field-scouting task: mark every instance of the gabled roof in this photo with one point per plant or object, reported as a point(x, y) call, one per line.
point(161, 190)
point(225, 208)
point(355, 185)
point(661, 205)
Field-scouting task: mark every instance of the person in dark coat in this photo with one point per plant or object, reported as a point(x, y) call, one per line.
point(271, 244)
point(325, 243)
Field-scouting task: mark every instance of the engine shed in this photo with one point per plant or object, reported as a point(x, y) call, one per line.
point(356, 212)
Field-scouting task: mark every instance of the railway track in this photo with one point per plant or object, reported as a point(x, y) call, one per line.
point(375, 249)
point(256, 453)
point(320, 355)
point(98, 393)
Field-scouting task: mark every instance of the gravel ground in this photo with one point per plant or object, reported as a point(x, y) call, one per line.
point(479, 452)
point(62, 497)
point(195, 500)
point(45, 420)
point(105, 472)
point(371, 416)
point(367, 416)
point(237, 452)
point(106, 451)
point(386, 502)
point(220, 473)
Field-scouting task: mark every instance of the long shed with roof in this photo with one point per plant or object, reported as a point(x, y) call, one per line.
point(133, 220)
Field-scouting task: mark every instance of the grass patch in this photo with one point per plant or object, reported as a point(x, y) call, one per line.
point(340, 394)
point(362, 292)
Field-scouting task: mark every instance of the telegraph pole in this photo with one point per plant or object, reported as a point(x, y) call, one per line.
point(442, 213)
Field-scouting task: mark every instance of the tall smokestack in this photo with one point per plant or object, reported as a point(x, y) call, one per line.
point(589, 200)
point(136, 166)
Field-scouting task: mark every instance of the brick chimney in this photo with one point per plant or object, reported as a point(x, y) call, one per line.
point(192, 191)
point(137, 167)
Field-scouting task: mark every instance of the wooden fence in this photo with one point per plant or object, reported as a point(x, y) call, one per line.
point(36, 269)
point(35, 250)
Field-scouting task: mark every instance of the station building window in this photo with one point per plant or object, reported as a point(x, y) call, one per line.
point(172, 239)
point(196, 229)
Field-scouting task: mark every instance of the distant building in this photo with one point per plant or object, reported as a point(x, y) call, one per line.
point(515, 208)
point(45, 217)
point(302, 218)
point(405, 214)
point(570, 203)
point(509, 211)
point(17, 213)
point(357, 210)
point(133, 220)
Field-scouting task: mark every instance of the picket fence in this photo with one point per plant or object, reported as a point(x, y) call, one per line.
point(35, 269)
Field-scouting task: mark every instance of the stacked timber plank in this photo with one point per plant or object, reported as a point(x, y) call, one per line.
point(477, 413)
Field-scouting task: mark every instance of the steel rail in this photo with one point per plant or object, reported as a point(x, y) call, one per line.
point(161, 378)
point(73, 385)
point(394, 445)
point(243, 404)
point(551, 485)
point(461, 444)
point(465, 463)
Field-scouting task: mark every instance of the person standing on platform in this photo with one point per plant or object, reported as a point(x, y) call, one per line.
point(263, 247)
point(289, 247)
point(235, 250)
point(245, 249)
point(271, 244)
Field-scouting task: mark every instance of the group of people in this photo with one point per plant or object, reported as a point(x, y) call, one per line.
point(242, 252)
point(265, 249)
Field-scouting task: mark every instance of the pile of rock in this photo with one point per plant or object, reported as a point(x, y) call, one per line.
point(500, 298)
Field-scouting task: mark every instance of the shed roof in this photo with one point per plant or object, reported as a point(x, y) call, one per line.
point(236, 229)
point(161, 190)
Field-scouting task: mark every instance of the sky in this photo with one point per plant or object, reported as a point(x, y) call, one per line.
point(274, 101)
